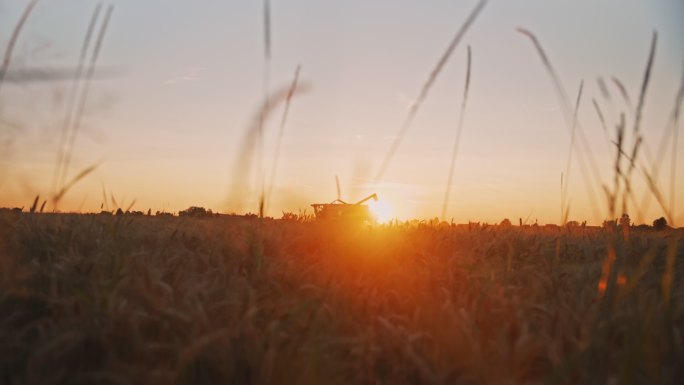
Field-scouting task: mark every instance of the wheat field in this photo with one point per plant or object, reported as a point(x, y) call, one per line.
point(142, 299)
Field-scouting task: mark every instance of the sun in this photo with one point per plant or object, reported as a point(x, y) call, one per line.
point(381, 210)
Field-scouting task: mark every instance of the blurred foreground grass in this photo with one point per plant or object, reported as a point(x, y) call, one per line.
point(124, 299)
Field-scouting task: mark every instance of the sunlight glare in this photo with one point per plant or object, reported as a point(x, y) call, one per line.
point(381, 210)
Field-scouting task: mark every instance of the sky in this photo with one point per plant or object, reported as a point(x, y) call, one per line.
point(180, 84)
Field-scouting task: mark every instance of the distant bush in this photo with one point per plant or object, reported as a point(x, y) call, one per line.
point(609, 224)
point(660, 224)
point(15, 210)
point(195, 212)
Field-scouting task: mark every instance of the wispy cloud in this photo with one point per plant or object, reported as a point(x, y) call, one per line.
point(192, 74)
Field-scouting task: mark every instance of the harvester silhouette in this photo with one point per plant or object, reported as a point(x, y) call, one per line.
point(340, 210)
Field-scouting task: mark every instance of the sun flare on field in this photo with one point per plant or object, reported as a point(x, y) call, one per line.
point(381, 210)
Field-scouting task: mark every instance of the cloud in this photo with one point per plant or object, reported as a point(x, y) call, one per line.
point(192, 74)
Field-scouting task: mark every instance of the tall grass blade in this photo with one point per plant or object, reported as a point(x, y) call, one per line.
point(558, 86)
point(67, 186)
point(644, 84)
point(617, 167)
point(71, 98)
point(244, 164)
point(668, 136)
point(34, 206)
point(675, 133)
point(657, 194)
point(7, 58)
point(590, 169)
point(637, 123)
point(115, 204)
point(78, 117)
point(266, 89)
point(267, 29)
point(426, 88)
point(281, 132)
point(130, 206)
point(105, 203)
point(603, 88)
point(572, 141)
point(604, 126)
point(445, 204)
point(562, 200)
point(623, 91)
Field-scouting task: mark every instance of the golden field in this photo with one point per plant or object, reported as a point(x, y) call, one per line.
point(117, 299)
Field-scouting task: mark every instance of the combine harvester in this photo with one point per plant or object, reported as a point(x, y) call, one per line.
point(339, 210)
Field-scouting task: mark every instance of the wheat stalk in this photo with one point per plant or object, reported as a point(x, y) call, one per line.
point(570, 151)
point(426, 88)
point(71, 98)
point(78, 117)
point(445, 203)
point(590, 169)
point(281, 131)
point(7, 58)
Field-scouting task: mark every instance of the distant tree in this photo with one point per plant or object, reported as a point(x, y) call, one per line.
point(572, 224)
point(505, 223)
point(119, 211)
point(625, 221)
point(149, 212)
point(660, 224)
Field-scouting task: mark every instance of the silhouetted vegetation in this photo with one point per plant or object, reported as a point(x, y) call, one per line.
point(196, 212)
point(660, 224)
point(91, 298)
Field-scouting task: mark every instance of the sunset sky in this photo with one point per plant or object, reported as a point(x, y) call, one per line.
point(167, 118)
